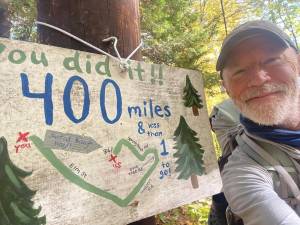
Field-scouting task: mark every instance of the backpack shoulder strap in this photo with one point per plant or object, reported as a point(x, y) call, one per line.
point(265, 159)
point(251, 153)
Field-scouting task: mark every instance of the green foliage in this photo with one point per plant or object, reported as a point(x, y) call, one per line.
point(285, 13)
point(189, 151)
point(23, 15)
point(171, 217)
point(16, 206)
point(185, 33)
point(193, 214)
point(214, 96)
point(173, 33)
point(198, 212)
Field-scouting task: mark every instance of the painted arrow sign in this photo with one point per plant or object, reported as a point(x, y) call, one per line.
point(70, 142)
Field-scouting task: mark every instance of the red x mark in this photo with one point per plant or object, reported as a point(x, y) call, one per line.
point(112, 158)
point(23, 137)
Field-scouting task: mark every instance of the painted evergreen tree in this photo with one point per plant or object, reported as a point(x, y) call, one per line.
point(191, 97)
point(189, 153)
point(16, 206)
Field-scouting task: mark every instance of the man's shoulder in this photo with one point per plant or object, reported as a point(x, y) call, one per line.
point(239, 162)
point(226, 113)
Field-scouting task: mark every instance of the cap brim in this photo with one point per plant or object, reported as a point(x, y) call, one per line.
point(238, 38)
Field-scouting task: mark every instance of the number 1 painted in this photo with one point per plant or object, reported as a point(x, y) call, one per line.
point(164, 152)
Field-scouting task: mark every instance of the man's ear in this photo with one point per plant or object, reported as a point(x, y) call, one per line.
point(223, 89)
point(223, 86)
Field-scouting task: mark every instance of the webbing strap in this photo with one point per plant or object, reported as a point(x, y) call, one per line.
point(273, 162)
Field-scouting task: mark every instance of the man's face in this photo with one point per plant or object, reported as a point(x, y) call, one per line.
point(261, 76)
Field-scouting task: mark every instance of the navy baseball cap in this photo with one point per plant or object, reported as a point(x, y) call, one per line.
point(248, 30)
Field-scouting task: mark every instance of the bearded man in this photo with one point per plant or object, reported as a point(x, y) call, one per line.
point(260, 68)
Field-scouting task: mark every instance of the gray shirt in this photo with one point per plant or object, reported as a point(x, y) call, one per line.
point(249, 190)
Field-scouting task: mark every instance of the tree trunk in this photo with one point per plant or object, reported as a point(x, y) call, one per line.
point(224, 17)
point(5, 25)
point(93, 21)
point(194, 181)
point(195, 110)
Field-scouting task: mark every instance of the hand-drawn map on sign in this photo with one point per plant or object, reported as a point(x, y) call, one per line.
point(85, 143)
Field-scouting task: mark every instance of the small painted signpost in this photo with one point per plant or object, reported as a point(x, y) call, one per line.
point(101, 145)
point(70, 142)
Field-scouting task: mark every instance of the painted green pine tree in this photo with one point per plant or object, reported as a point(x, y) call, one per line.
point(191, 97)
point(189, 153)
point(16, 205)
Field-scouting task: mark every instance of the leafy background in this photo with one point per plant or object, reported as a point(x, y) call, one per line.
point(185, 33)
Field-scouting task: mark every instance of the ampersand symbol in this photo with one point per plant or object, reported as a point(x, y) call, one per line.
point(141, 130)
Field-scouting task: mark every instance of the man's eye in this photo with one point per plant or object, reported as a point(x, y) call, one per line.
point(272, 61)
point(239, 72)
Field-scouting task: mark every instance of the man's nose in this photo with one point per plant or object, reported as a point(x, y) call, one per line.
point(258, 76)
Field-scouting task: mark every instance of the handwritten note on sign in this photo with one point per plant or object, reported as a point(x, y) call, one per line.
point(99, 145)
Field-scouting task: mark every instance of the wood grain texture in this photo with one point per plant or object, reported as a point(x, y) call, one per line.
point(92, 21)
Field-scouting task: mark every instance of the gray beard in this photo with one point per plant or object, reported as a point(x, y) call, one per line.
point(279, 111)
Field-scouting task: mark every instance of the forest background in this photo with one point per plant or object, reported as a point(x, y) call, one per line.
point(187, 34)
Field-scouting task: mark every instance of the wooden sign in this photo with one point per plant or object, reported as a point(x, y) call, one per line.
point(85, 142)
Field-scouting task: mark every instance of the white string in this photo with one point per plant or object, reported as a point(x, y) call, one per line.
point(115, 42)
point(134, 51)
point(123, 63)
point(77, 38)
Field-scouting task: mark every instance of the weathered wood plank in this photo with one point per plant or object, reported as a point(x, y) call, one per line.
point(110, 132)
